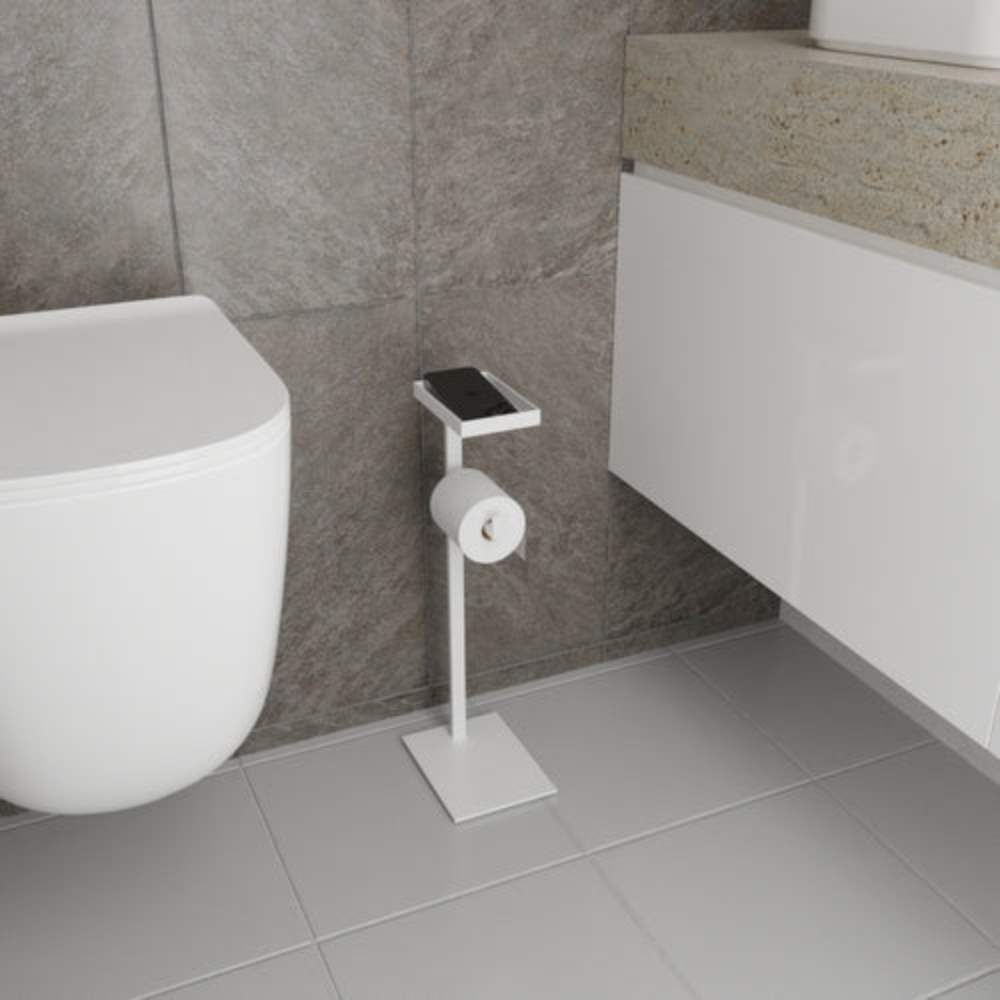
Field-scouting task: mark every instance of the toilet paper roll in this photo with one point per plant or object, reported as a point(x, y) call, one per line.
point(471, 509)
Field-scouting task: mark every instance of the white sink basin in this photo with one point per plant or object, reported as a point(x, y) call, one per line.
point(965, 32)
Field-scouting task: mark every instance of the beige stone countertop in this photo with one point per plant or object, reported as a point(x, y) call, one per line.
point(906, 149)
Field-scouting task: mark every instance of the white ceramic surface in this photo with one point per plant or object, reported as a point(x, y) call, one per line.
point(830, 432)
point(965, 32)
point(143, 537)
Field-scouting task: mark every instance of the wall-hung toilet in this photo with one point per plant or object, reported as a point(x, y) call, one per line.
point(144, 471)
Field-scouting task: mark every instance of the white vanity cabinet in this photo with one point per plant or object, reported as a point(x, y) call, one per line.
point(823, 406)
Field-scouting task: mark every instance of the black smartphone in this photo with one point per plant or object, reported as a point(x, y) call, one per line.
point(468, 394)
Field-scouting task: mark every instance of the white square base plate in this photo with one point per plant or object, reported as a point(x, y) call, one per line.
point(488, 771)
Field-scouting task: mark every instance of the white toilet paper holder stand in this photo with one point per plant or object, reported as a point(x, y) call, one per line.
point(476, 766)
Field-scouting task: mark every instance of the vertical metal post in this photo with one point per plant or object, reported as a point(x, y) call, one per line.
point(456, 604)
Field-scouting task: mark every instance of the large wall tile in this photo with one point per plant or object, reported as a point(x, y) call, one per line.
point(83, 189)
point(663, 577)
point(667, 16)
point(552, 341)
point(354, 606)
point(517, 109)
point(289, 134)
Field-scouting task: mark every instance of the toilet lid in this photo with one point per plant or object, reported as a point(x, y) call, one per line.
point(106, 386)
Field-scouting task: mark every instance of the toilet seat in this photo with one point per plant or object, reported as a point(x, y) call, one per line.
point(97, 389)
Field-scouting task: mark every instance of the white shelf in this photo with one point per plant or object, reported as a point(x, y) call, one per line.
point(527, 415)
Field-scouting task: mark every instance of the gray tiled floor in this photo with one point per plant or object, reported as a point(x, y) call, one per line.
point(824, 719)
point(688, 854)
point(985, 988)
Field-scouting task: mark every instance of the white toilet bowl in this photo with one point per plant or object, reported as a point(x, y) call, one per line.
point(144, 473)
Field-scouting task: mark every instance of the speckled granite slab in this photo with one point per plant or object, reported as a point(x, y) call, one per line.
point(905, 149)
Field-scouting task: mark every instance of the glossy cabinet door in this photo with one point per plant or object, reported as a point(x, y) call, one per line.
point(823, 406)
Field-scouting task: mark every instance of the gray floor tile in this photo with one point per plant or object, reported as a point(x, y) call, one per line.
point(119, 905)
point(791, 898)
point(558, 933)
point(987, 988)
point(942, 816)
point(816, 710)
point(640, 748)
point(364, 836)
point(300, 975)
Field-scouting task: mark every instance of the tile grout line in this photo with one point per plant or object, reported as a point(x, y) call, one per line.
point(888, 755)
point(305, 311)
point(418, 337)
point(609, 393)
point(958, 984)
point(635, 838)
point(823, 775)
point(452, 897)
point(734, 706)
point(820, 782)
point(288, 878)
point(640, 925)
point(940, 893)
point(801, 765)
point(581, 853)
point(167, 165)
point(166, 991)
point(632, 914)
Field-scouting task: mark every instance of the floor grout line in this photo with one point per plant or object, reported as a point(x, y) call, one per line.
point(224, 971)
point(450, 898)
point(640, 926)
point(635, 838)
point(745, 713)
point(288, 878)
point(278, 855)
point(940, 893)
point(820, 782)
point(888, 755)
point(959, 984)
point(624, 903)
point(581, 853)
